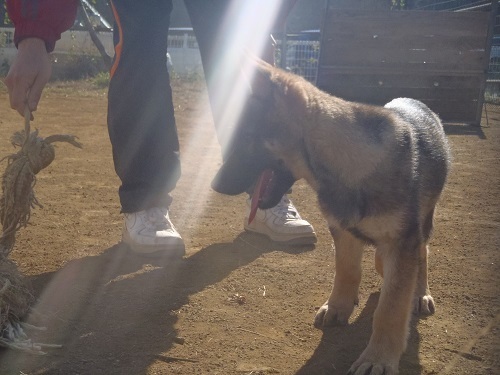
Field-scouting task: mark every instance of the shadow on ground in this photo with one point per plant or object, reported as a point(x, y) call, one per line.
point(125, 304)
point(341, 346)
point(464, 129)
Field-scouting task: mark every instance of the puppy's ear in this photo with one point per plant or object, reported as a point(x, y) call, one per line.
point(258, 73)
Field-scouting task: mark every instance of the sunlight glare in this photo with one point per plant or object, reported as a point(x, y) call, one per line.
point(245, 30)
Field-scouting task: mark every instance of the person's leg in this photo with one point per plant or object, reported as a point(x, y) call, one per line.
point(141, 123)
point(141, 119)
point(221, 42)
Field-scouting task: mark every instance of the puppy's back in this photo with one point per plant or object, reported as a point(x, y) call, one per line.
point(431, 147)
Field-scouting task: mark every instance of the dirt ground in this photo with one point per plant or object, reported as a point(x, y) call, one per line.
point(237, 303)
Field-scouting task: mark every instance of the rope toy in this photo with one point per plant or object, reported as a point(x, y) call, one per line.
point(16, 202)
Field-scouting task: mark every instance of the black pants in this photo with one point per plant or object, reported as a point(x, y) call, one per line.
point(141, 120)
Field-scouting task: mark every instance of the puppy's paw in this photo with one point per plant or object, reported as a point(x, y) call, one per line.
point(371, 365)
point(424, 305)
point(369, 368)
point(333, 314)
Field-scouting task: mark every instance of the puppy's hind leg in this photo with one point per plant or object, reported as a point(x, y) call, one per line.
point(344, 296)
point(423, 303)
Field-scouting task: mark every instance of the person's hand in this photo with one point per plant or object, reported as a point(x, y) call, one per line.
point(28, 75)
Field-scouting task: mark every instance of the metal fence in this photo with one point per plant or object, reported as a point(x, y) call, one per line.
point(301, 58)
point(184, 53)
point(182, 38)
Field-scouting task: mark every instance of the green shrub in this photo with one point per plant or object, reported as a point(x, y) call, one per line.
point(4, 68)
point(101, 80)
point(76, 66)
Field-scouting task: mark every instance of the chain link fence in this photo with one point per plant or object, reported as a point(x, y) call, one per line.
point(299, 53)
point(301, 58)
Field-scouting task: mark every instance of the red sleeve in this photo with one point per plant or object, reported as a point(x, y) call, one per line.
point(44, 19)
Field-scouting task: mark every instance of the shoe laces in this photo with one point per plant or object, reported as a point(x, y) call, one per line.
point(285, 209)
point(157, 218)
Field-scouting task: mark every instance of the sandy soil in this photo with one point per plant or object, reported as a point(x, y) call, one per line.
point(117, 313)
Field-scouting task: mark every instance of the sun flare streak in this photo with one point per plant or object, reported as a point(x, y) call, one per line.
point(244, 32)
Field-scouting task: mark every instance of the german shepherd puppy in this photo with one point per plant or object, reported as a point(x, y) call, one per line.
point(378, 173)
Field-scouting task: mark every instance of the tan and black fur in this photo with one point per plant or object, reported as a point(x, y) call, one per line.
point(378, 173)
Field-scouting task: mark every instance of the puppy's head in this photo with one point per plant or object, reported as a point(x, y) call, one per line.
point(253, 147)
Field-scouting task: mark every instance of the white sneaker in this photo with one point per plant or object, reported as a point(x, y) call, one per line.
point(282, 223)
point(151, 231)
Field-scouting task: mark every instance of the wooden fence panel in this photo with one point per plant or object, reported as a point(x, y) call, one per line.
point(439, 58)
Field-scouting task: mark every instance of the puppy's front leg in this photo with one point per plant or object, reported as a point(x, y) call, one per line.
point(392, 315)
point(344, 296)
